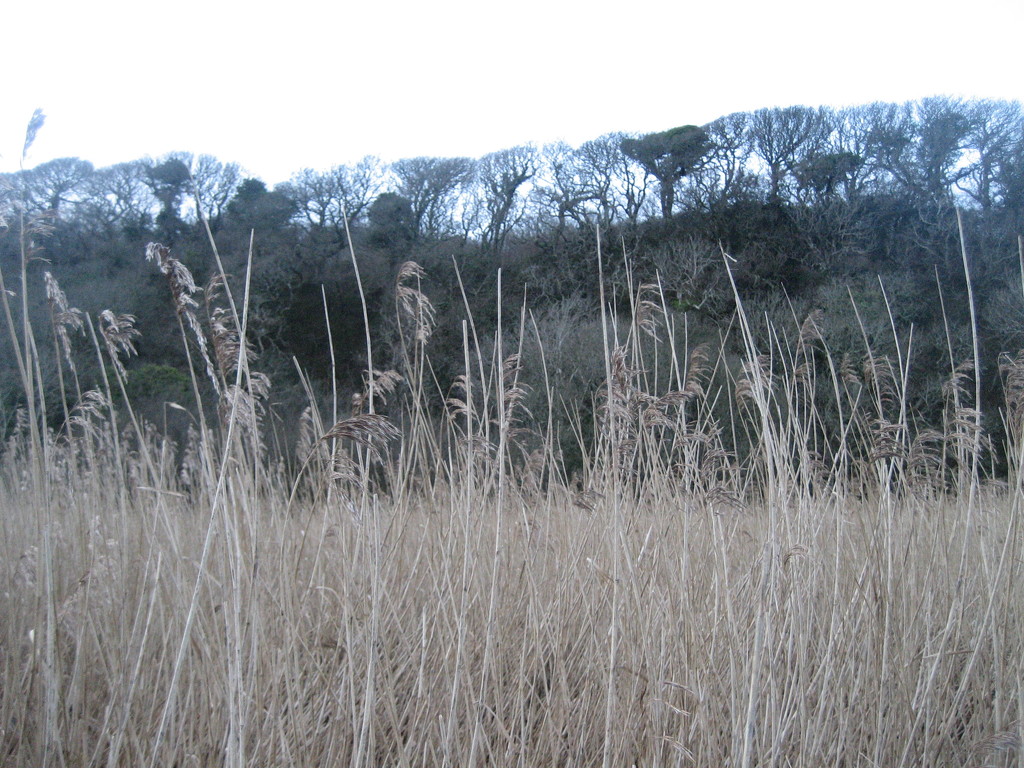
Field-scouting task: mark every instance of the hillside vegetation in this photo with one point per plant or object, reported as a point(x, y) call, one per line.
point(820, 209)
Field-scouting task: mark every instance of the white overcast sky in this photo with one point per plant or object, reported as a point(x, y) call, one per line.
point(288, 84)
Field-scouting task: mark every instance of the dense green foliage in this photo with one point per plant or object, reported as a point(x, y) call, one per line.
point(819, 209)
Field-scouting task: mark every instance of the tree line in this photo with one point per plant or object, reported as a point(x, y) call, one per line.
point(937, 150)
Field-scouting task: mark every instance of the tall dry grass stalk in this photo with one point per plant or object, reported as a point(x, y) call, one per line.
point(760, 562)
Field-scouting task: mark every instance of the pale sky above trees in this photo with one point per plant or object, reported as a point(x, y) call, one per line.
point(282, 87)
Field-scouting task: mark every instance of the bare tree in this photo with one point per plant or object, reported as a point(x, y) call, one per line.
point(325, 198)
point(944, 128)
point(921, 146)
point(598, 163)
point(500, 178)
point(432, 186)
point(619, 186)
point(119, 196)
point(782, 139)
point(56, 184)
point(561, 189)
point(316, 197)
point(996, 136)
point(852, 135)
point(725, 172)
point(213, 185)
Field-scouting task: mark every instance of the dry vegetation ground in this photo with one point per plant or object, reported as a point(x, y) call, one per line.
point(847, 593)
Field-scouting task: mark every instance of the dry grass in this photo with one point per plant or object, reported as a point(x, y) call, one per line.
point(837, 597)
